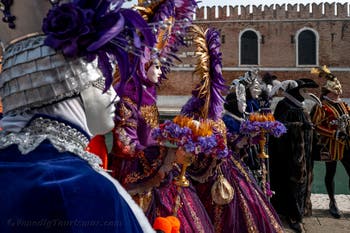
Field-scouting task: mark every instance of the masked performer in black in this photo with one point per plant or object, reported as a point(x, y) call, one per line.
point(290, 155)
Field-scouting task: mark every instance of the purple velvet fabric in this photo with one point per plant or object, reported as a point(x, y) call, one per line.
point(133, 135)
point(148, 95)
point(191, 213)
point(249, 208)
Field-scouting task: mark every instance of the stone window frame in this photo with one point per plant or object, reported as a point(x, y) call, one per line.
point(239, 46)
point(317, 37)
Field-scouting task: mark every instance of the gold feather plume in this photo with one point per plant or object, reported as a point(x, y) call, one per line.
point(202, 67)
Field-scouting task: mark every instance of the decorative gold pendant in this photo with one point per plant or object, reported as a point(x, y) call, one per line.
point(262, 143)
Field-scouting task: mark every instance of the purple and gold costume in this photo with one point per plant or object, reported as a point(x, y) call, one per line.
point(146, 169)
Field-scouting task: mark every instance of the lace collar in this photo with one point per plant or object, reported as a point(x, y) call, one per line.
point(62, 136)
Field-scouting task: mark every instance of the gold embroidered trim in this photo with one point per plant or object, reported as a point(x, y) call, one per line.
point(241, 169)
point(147, 168)
point(125, 113)
point(251, 228)
point(218, 223)
point(197, 223)
point(272, 218)
point(220, 127)
point(150, 114)
point(143, 200)
point(125, 139)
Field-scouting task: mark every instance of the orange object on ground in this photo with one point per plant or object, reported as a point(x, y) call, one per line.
point(162, 224)
point(170, 224)
point(175, 222)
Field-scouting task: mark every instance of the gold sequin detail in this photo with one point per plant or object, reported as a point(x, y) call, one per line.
point(272, 218)
point(247, 215)
point(218, 224)
point(150, 114)
point(143, 200)
point(125, 112)
point(241, 169)
point(147, 168)
point(196, 221)
point(125, 139)
point(177, 203)
point(220, 127)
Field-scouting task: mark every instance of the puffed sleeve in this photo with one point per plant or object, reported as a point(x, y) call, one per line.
point(321, 118)
point(126, 141)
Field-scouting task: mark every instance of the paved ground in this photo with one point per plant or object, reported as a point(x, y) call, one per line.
point(321, 221)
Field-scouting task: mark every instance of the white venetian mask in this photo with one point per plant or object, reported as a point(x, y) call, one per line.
point(99, 108)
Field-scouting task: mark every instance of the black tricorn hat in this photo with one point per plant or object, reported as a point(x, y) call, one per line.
point(306, 83)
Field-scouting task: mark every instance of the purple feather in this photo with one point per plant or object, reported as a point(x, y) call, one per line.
point(182, 13)
point(193, 106)
point(139, 23)
point(217, 83)
point(217, 80)
point(110, 33)
point(84, 28)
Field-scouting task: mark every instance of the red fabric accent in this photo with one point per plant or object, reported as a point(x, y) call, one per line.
point(97, 146)
point(119, 149)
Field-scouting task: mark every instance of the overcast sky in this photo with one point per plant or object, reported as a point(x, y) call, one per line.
point(249, 2)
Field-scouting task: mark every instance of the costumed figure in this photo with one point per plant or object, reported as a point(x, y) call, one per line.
point(248, 91)
point(229, 192)
point(144, 167)
point(332, 123)
point(290, 155)
point(56, 94)
point(269, 83)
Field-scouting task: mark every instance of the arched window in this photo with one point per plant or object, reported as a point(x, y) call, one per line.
point(307, 48)
point(249, 48)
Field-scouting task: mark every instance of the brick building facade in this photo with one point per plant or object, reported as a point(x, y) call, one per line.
point(277, 28)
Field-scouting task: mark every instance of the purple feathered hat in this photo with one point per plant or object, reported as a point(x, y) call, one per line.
point(99, 29)
point(207, 100)
point(168, 20)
